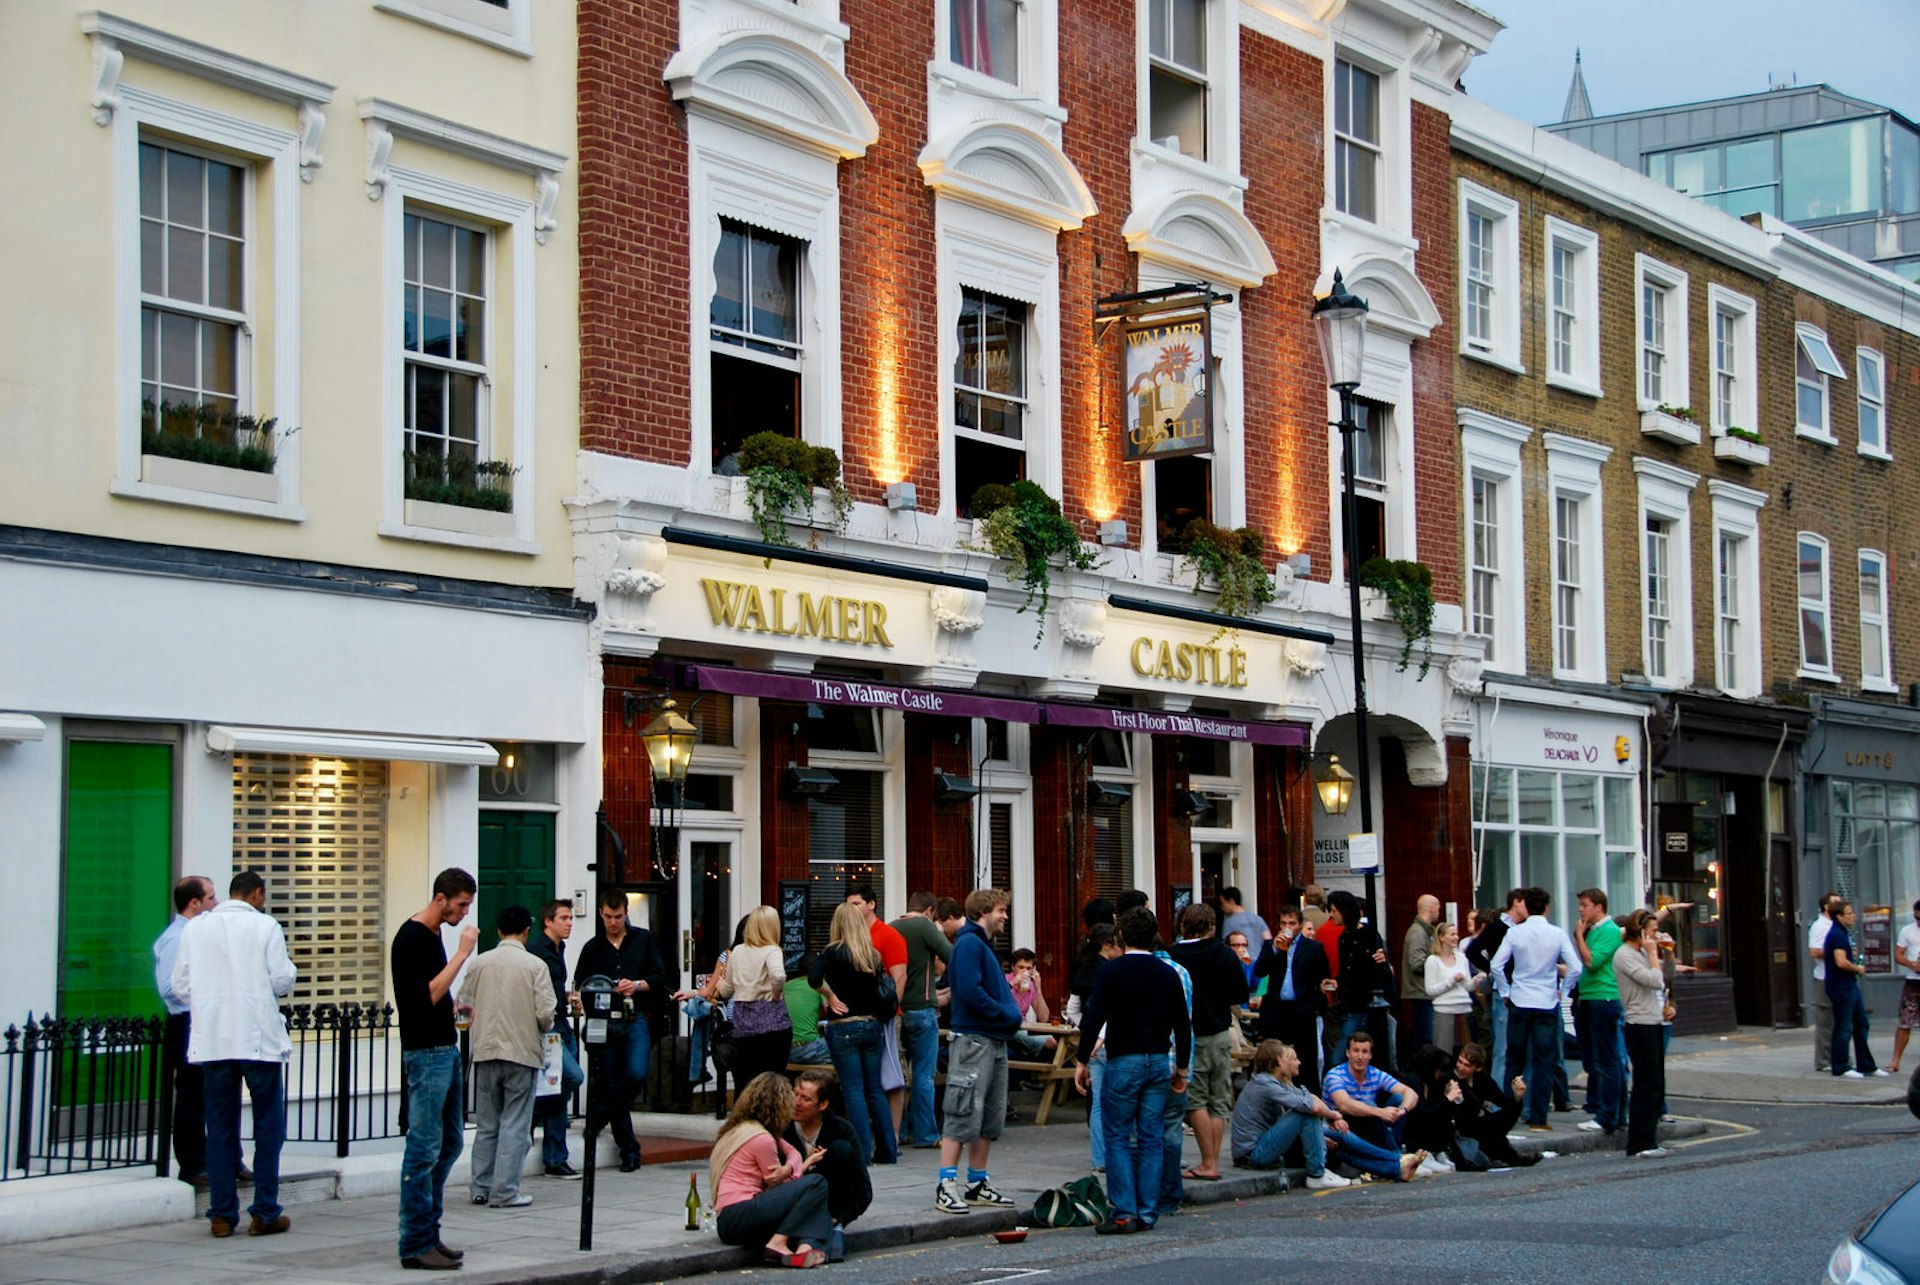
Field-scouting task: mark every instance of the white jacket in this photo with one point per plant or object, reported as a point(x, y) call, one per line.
point(232, 970)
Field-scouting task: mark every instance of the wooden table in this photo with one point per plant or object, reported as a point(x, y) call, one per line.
point(1054, 1073)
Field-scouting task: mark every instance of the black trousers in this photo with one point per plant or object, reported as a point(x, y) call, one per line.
point(796, 1209)
point(189, 1099)
point(1294, 1023)
point(1646, 1051)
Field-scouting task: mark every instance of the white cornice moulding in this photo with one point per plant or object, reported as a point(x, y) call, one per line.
point(21, 727)
point(1506, 430)
point(114, 38)
point(386, 121)
point(223, 739)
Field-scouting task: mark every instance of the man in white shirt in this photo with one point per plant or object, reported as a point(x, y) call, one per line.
point(233, 970)
point(1906, 957)
point(192, 897)
point(1538, 951)
point(1822, 1006)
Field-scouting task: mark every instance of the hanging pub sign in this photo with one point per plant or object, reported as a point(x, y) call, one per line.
point(1169, 360)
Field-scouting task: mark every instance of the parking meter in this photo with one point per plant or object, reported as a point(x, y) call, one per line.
point(601, 1004)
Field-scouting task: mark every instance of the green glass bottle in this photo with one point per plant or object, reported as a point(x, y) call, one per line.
point(693, 1202)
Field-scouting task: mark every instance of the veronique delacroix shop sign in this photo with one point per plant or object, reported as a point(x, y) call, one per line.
point(1168, 400)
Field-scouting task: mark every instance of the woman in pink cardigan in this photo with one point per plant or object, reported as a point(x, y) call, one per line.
point(764, 1188)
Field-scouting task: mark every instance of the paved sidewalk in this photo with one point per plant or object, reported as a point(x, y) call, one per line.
point(639, 1230)
point(1760, 1064)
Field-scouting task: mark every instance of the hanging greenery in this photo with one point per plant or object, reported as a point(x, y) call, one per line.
point(1408, 587)
point(1024, 525)
point(1230, 561)
point(781, 474)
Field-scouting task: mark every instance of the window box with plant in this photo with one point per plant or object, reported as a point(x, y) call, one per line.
point(208, 447)
point(1024, 525)
point(1408, 589)
point(460, 493)
point(1742, 446)
point(1229, 560)
point(1676, 424)
point(782, 473)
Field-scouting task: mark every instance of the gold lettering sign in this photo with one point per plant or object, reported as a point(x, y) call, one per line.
point(734, 605)
point(1189, 662)
point(1882, 759)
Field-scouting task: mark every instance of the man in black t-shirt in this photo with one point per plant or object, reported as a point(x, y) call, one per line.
point(629, 956)
point(430, 1054)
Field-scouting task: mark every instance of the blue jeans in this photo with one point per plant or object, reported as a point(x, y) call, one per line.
point(1096, 1118)
point(1534, 1041)
point(1597, 1023)
point(435, 1134)
point(222, 1081)
point(1849, 1023)
point(1133, 1101)
point(812, 1053)
point(1497, 1022)
point(855, 1048)
point(1367, 1157)
point(920, 1042)
point(1173, 1140)
point(629, 1049)
point(1342, 1025)
point(1271, 1147)
point(553, 1147)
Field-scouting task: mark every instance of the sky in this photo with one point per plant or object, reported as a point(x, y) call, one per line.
point(1656, 53)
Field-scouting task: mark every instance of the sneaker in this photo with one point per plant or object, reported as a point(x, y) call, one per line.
point(520, 1201)
point(1443, 1163)
point(1327, 1182)
point(1591, 1126)
point(1652, 1153)
point(1852, 1075)
point(1539, 1128)
point(947, 1198)
point(1427, 1169)
point(562, 1170)
point(1881, 1073)
point(1115, 1227)
point(982, 1193)
point(481, 1197)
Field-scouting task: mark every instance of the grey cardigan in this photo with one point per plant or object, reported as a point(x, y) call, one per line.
point(1641, 986)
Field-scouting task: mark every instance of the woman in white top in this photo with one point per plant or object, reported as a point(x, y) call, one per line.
point(1449, 988)
point(755, 981)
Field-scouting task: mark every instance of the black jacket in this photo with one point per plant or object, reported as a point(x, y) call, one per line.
point(1309, 970)
point(849, 1189)
point(1361, 976)
point(1219, 982)
point(541, 947)
point(637, 959)
point(1485, 943)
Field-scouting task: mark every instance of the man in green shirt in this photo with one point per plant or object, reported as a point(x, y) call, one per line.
point(1597, 1022)
point(803, 1006)
point(927, 953)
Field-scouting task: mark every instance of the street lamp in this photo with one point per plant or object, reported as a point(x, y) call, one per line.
point(1340, 322)
point(668, 740)
point(1335, 788)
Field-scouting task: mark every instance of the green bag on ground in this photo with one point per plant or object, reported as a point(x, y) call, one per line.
point(1081, 1203)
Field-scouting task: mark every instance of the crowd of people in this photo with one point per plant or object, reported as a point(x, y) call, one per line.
point(1221, 1035)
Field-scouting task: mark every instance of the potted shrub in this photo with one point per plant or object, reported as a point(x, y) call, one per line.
point(1742, 446)
point(781, 474)
point(1024, 525)
point(1230, 561)
point(203, 434)
point(1408, 588)
point(463, 483)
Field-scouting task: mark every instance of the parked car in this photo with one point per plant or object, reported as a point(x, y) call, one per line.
point(1885, 1248)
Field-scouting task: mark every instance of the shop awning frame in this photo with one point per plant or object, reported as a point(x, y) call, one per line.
point(1218, 619)
point(224, 739)
point(819, 558)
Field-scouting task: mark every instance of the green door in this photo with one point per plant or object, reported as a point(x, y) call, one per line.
point(516, 865)
point(116, 894)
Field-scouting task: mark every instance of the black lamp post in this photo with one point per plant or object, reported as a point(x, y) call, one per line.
point(1340, 322)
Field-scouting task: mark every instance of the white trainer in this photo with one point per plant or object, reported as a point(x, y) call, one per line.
point(1327, 1182)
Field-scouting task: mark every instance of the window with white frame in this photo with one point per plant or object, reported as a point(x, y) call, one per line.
point(1177, 84)
point(1574, 538)
point(1666, 571)
point(1573, 294)
point(194, 320)
point(1372, 493)
point(445, 351)
point(1814, 364)
point(1873, 401)
point(1736, 587)
point(506, 24)
point(989, 393)
point(1489, 274)
point(754, 333)
point(1734, 355)
point(1496, 561)
point(1876, 662)
point(1660, 320)
point(984, 36)
point(1816, 617)
point(1356, 141)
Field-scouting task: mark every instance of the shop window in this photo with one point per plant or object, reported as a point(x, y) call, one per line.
point(848, 728)
point(846, 845)
point(999, 745)
point(1876, 843)
point(754, 337)
point(1112, 847)
point(1562, 831)
point(1816, 616)
point(999, 870)
point(1111, 749)
point(1207, 757)
point(1356, 141)
point(712, 718)
point(1182, 491)
point(1813, 365)
point(1177, 75)
point(989, 394)
point(708, 791)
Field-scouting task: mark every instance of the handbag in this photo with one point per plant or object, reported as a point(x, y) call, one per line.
point(723, 1047)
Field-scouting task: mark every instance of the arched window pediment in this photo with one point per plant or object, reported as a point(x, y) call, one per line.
point(1012, 170)
point(773, 84)
point(1202, 235)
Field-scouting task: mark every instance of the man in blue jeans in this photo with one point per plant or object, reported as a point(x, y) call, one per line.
point(1273, 1112)
point(1537, 951)
point(549, 946)
point(430, 1056)
point(1598, 1021)
point(928, 951)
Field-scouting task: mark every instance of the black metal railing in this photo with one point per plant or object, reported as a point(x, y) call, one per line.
point(81, 1094)
point(343, 1081)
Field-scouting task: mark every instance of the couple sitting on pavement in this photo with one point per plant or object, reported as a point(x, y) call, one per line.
point(1274, 1112)
point(786, 1172)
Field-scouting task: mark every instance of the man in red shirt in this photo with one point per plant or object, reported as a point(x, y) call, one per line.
point(893, 957)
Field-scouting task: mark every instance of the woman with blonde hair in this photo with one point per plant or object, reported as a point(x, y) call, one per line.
point(860, 998)
point(1448, 988)
point(755, 981)
point(764, 1188)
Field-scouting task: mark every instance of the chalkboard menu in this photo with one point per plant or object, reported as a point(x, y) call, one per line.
point(793, 921)
point(1182, 898)
point(1876, 938)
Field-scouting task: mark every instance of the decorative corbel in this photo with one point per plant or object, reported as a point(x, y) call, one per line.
point(107, 62)
point(379, 154)
point(1304, 657)
point(546, 191)
point(639, 572)
point(313, 126)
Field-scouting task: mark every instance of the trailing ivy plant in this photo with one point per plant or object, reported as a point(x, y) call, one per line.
point(1024, 525)
point(781, 474)
point(1408, 587)
point(202, 434)
point(463, 482)
point(1230, 561)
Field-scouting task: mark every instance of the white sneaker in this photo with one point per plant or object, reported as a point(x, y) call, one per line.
point(1852, 1075)
point(1589, 1126)
point(1428, 1169)
point(1652, 1153)
point(1881, 1072)
point(1442, 1163)
point(948, 1197)
point(1327, 1181)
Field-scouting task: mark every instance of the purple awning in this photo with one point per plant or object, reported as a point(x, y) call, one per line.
point(835, 690)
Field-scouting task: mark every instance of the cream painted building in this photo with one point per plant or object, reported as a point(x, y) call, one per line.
point(288, 406)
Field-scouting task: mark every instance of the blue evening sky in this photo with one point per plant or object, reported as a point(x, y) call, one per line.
point(1654, 53)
